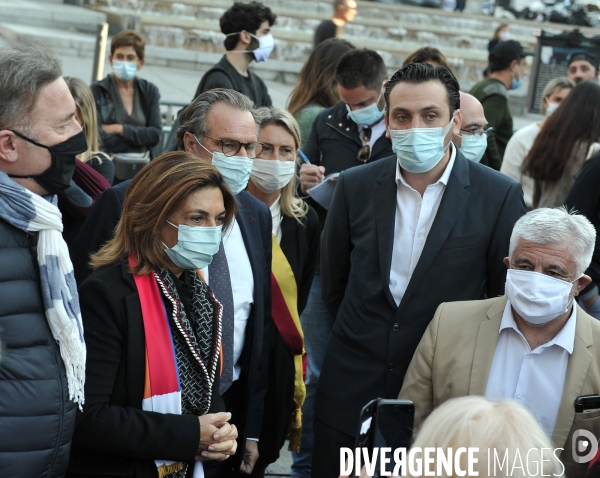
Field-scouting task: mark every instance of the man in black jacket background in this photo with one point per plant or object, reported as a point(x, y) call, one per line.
point(403, 235)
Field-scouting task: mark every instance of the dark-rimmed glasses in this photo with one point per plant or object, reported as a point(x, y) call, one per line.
point(231, 147)
point(479, 132)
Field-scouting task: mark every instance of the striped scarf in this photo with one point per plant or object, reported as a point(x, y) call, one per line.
point(32, 213)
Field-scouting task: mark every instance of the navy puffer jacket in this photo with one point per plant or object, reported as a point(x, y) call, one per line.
point(37, 419)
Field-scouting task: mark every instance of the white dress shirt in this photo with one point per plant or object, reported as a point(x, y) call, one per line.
point(377, 131)
point(532, 378)
point(414, 217)
point(242, 286)
point(277, 218)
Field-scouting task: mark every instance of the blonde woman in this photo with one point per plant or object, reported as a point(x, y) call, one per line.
point(504, 428)
point(295, 244)
point(86, 116)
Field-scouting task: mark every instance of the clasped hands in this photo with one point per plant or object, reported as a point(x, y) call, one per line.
point(217, 437)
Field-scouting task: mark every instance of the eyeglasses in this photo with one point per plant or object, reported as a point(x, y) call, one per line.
point(364, 153)
point(479, 132)
point(231, 147)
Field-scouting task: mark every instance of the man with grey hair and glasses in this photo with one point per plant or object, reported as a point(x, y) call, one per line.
point(534, 345)
point(43, 359)
point(220, 126)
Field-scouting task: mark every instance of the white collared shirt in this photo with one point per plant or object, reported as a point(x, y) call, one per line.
point(532, 378)
point(277, 217)
point(414, 217)
point(377, 131)
point(242, 286)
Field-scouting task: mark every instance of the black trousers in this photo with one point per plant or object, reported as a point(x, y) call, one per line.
point(326, 451)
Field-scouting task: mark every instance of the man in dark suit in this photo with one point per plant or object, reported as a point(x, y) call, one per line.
point(403, 235)
point(346, 135)
point(220, 126)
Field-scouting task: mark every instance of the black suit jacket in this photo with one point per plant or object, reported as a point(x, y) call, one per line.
point(113, 435)
point(254, 219)
point(373, 340)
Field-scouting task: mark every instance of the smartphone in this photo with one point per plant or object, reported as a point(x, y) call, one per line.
point(385, 423)
point(587, 403)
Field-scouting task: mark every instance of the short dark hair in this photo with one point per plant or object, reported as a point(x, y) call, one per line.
point(244, 16)
point(361, 67)
point(422, 73)
point(129, 38)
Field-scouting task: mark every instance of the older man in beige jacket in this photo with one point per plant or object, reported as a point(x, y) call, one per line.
point(534, 345)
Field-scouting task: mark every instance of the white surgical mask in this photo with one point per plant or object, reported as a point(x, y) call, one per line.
point(124, 70)
point(266, 44)
point(234, 169)
point(504, 36)
point(196, 246)
point(551, 108)
point(473, 146)
point(269, 175)
point(420, 149)
point(537, 298)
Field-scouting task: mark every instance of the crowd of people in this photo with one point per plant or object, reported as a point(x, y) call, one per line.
point(270, 271)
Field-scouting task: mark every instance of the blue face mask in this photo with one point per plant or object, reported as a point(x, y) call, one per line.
point(517, 83)
point(195, 246)
point(552, 107)
point(420, 149)
point(124, 70)
point(368, 115)
point(234, 169)
point(473, 146)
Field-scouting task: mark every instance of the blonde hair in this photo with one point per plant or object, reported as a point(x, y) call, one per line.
point(153, 195)
point(501, 427)
point(86, 107)
point(291, 205)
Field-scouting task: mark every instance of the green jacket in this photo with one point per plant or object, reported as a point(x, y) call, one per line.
point(493, 95)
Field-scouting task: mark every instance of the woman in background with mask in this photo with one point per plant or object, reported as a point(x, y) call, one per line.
point(567, 139)
point(502, 33)
point(521, 142)
point(129, 107)
point(153, 330)
point(295, 243)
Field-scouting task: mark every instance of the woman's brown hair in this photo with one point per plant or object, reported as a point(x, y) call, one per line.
point(129, 38)
point(316, 83)
point(571, 129)
point(153, 195)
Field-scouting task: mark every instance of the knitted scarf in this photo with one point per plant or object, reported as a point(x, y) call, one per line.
point(32, 213)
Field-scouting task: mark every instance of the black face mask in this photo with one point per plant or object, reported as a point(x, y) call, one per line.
point(58, 176)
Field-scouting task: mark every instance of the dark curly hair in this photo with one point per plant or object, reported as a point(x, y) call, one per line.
point(422, 73)
point(244, 16)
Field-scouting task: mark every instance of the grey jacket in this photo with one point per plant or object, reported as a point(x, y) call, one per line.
point(37, 419)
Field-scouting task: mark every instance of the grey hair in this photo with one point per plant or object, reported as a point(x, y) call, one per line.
point(26, 69)
point(195, 117)
point(557, 225)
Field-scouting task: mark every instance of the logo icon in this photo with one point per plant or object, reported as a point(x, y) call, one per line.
point(579, 446)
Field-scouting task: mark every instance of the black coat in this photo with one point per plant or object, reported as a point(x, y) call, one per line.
point(133, 136)
point(254, 219)
point(584, 197)
point(37, 418)
point(299, 243)
point(114, 436)
point(373, 340)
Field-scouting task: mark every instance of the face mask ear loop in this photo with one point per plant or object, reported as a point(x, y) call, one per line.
point(205, 148)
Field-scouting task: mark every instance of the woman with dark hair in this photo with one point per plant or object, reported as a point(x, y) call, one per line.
point(566, 140)
point(128, 107)
point(317, 88)
point(152, 329)
point(429, 55)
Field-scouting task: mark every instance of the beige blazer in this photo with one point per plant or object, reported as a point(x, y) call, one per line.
point(455, 355)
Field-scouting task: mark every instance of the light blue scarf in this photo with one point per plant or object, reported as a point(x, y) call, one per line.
point(30, 212)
